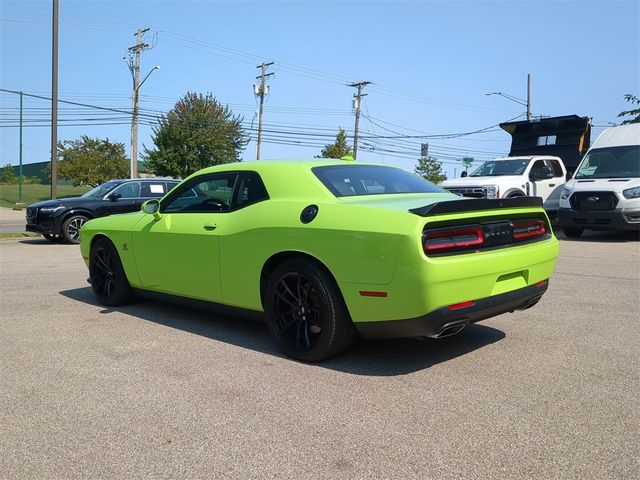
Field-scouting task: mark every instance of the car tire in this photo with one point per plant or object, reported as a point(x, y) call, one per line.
point(572, 232)
point(52, 237)
point(108, 280)
point(71, 228)
point(305, 311)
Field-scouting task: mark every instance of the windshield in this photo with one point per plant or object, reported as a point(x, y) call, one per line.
point(496, 168)
point(101, 190)
point(611, 162)
point(351, 180)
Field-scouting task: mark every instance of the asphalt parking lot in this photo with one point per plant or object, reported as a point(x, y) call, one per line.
point(153, 390)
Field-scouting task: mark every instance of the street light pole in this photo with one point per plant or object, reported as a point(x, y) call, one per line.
point(520, 101)
point(134, 67)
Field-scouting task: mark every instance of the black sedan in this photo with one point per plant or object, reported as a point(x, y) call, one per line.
point(61, 219)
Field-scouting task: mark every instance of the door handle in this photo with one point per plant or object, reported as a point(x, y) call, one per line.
point(552, 184)
point(209, 227)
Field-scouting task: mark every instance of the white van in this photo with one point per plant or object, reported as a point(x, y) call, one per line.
point(604, 193)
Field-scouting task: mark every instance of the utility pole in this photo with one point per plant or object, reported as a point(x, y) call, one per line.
point(529, 96)
point(20, 156)
point(356, 105)
point(134, 67)
point(54, 100)
point(260, 91)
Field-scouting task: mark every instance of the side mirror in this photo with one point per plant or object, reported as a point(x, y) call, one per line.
point(152, 207)
point(540, 174)
point(114, 197)
point(463, 174)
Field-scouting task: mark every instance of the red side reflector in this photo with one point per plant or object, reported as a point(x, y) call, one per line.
point(542, 283)
point(458, 306)
point(453, 238)
point(523, 229)
point(366, 293)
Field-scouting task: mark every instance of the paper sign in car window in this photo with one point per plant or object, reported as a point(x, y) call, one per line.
point(156, 188)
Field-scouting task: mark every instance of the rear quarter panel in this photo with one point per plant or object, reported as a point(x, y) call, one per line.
point(357, 244)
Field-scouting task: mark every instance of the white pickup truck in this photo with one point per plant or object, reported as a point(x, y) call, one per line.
point(535, 176)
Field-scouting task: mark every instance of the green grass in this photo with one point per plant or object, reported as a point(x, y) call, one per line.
point(18, 235)
point(35, 193)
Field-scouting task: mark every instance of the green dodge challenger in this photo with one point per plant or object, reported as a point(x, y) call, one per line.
point(325, 250)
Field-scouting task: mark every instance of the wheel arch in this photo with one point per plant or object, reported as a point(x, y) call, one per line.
point(97, 237)
point(272, 263)
point(514, 192)
point(72, 212)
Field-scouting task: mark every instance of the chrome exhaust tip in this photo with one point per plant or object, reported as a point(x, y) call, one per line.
point(449, 329)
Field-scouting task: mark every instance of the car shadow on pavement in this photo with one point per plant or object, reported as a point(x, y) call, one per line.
point(601, 236)
point(40, 241)
point(368, 357)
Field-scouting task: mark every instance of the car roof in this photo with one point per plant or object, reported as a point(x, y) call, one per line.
point(277, 164)
point(619, 136)
point(145, 179)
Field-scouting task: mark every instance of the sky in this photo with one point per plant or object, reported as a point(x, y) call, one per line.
point(430, 63)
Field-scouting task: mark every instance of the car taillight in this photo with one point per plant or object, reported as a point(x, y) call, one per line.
point(452, 239)
point(524, 229)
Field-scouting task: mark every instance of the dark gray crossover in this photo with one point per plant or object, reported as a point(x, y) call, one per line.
point(61, 219)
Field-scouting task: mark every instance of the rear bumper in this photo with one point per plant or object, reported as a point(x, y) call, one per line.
point(607, 220)
point(434, 323)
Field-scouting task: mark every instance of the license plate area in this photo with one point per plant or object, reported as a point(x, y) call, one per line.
point(497, 233)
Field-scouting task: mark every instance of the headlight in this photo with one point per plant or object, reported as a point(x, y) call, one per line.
point(50, 210)
point(565, 193)
point(492, 191)
point(631, 192)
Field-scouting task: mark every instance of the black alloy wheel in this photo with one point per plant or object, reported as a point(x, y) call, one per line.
point(71, 228)
point(107, 277)
point(306, 313)
point(52, 237)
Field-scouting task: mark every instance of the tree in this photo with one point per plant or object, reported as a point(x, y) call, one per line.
point(7, 175)
point(338, 149)
point(634, 112)
point(91, 161)
point(430, 169)
point(197, 133)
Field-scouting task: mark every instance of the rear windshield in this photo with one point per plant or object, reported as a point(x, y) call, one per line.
point(610, 162)
point(351, 180)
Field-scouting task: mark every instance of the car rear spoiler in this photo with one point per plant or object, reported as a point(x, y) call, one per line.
point(474, 204)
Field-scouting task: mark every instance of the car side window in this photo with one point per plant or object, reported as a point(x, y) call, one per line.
point(171, 185)
point(555, 167)
point(204, 194)
point(540, 169)
point(250, 189)
point(153, 189)
point(128, 190)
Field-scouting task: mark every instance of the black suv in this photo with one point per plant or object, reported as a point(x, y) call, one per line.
point(61, 219)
